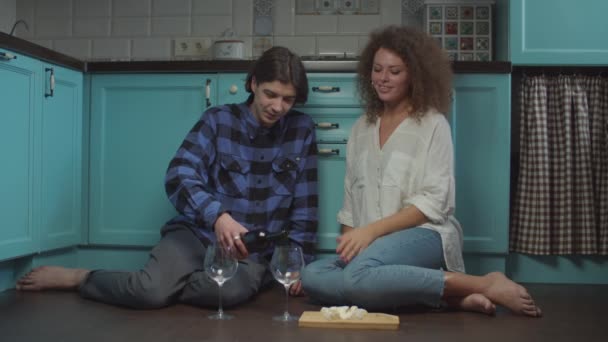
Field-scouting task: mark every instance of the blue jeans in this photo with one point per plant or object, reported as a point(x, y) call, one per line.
point(399, 269)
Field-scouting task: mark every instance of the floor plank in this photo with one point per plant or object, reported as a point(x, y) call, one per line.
point(571, 313)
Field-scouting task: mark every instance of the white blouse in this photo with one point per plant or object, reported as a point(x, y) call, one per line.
point(414, 167)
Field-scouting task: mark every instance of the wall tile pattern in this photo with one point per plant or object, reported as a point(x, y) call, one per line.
point(147, 29)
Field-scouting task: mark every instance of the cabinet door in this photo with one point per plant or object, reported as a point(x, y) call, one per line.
point(331, 168)
point(231, 88)
point(480, 120)
point(19, 98)
point(558, 32)
point(61, 158)
point(137, 124)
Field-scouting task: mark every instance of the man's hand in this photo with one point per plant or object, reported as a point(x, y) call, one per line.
point(228, 233)
point(296, 289)
point(353, 241)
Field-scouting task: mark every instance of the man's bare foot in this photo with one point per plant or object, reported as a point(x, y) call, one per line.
point(475, 302)
point(51, 278)
point(505, 292)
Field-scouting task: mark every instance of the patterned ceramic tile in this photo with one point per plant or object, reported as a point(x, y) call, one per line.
point(466, 12)
point(482, 12)
point(435, 12)
point(482, 44)
point(435, 28)
point(482, 27)
point(466, 43)
point(451, 12)
point(482, 57)
point(451, 27)
point(464, 30)
point(450, 43)
point(466, 27)
point(465, 56)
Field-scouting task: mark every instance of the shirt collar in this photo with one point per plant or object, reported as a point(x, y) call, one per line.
point(254, 128)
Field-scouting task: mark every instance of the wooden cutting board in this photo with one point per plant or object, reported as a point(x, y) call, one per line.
point(381, 321)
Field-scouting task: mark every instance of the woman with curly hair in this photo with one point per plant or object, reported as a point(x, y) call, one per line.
point(400, 243)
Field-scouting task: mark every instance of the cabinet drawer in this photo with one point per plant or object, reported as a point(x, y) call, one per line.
point(332, 167)
point(333, 124)
point(332, 90)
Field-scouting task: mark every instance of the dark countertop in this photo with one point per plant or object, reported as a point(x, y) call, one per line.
point(36, 51)
point(201, 66)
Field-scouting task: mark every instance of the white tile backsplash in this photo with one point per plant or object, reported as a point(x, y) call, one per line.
point(210, 25)
point(316, 24)
point(53, 8)
point(79, 48)
point(358, 23)
point(170, 26)
point(338, 45)
point(284, 18)
point(242, 17)
point(301, 45)
point(151, 48)
point(50, 27)
point(91, 27)
point(131, 8)
point(91, 8)
point(146, 29)
point(130, 26)
point(170, 7)
point(390, 12)
point(213, 7)
point(118, 49)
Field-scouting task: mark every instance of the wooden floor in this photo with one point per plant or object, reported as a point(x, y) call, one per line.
point(571, 313)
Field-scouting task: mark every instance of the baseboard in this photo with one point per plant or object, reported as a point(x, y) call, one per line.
point(576, 269)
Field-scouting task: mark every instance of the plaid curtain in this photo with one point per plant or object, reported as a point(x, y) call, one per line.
point(561, 198)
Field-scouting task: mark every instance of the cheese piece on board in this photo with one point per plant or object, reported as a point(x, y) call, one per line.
point(372, 320)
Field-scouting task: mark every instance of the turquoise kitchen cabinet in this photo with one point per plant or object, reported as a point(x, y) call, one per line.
point(40, 142)
point(20, 101)
point(480, 121)
point(60, 210)
point(558, 32)
point(334, 107)
point(231, 88)
point(137, 124)
point(331, 169)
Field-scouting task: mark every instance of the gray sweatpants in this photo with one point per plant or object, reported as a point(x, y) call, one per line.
point(174, 273)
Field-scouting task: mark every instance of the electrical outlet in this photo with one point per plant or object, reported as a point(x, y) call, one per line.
point(191, 47)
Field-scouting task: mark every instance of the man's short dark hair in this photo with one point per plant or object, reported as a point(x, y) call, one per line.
point(280, 64)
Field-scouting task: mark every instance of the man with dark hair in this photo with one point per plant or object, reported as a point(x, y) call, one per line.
point(242, 167)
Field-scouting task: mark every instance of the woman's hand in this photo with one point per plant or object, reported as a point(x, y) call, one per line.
point(351, 243)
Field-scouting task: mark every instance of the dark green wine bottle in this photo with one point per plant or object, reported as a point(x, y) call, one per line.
point(259, 240)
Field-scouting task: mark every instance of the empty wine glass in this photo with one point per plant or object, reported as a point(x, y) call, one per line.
point(220, 265)
point(286, 263)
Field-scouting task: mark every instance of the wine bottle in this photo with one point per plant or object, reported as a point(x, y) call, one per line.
point(259, 240)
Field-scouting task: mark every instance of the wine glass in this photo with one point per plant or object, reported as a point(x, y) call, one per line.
point(220, 265)
point(286, 263)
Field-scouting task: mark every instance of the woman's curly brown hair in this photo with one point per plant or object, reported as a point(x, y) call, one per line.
point(428, 68)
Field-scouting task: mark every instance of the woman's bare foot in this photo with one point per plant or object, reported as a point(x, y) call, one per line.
point(475, 302)
point(51, 278)
point(503, 291)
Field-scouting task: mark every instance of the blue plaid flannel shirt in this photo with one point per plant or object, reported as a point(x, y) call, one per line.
point(266, 178)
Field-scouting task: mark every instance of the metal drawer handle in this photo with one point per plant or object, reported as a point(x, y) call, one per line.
point(51, 83)
point(208, 93)
point(327, 125)
point(7, 56)
point(326, 89)
point(329, 151)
